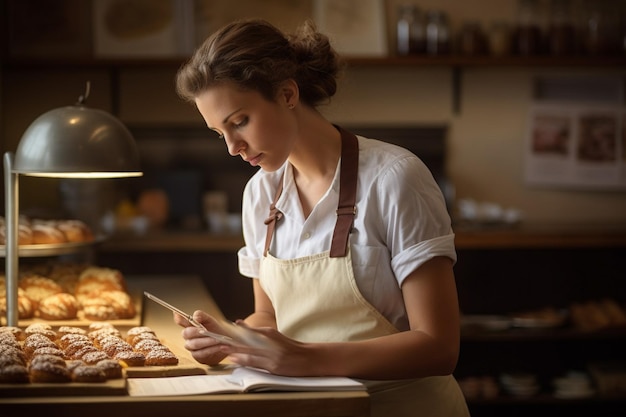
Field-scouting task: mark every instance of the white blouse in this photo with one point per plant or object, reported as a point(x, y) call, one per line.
point(401, 222)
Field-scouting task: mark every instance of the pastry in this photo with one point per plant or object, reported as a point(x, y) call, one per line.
point(49, 372)
point(91, 358)
point(80, 353)
point(102, 278)
point(51, 359)
point(48, 350)
point(112, 347)
point(67, 339)
point(19, 334)
point(75, 230)
point(63, 330)
point(71, 349)
point(87, 373)
point(61, 306)
point(138, 330)
point(37, 287)
point(111, 368)
point(131, 358)
point(147, 345)
point(12, 354)
point(47, 233)
point(43, 329)
point(36, 341)
point(25, 307)
point(14, 374)
point(134, 340)
point(109, 305)
point(161, 357)
point(24, 235)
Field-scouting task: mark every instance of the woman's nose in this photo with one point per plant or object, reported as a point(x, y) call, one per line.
point(234, 144)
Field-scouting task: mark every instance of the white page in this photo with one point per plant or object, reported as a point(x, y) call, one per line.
point(181, 385)
point(258, 380)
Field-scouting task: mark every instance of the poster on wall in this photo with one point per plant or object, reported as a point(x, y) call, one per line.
point(143, 28)
point(355, 27)
point(576, 146)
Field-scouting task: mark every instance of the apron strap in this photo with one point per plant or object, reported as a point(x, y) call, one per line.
point(346, 209)
point(347, 193)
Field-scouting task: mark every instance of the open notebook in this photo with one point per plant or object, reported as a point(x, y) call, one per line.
point(239, 381)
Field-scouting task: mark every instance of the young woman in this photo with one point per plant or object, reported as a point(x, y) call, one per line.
point(347, 239)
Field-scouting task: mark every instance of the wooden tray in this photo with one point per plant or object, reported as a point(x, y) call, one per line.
point(186, 365)
point(110, 387)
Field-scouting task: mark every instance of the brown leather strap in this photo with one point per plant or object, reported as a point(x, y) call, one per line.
point(346, 208)
point(347, 194)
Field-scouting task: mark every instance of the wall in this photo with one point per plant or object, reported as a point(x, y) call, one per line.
point(485, 159)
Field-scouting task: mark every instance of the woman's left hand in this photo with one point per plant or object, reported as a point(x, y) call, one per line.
point(280, 355)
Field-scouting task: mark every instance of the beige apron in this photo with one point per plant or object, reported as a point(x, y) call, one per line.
point(316, 299)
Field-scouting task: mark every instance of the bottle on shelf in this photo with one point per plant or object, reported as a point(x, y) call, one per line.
point(562, 37)
point(411, 31)
point(437, 33)
point(499, 38)
point(472, 40)
point(528, 36)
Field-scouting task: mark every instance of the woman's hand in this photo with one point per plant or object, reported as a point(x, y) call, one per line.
point(280, 355)
point(204, 349)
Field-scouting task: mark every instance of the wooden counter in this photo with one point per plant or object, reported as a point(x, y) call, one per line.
point(188, 293)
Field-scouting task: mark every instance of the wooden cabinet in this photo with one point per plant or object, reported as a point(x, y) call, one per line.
point(504, 273)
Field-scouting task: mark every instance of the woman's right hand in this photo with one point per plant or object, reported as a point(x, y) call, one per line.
point(203, 349)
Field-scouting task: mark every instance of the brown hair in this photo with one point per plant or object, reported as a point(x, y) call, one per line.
point(255, 55)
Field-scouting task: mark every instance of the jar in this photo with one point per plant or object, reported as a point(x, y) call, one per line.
point(499, 38)
point(437, 33)
point(472, 40)
point(562, 31)
point(410, 30)
point(602, 34)
point(527, 38)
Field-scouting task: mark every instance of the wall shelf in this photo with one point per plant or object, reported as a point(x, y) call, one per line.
point(460, 61)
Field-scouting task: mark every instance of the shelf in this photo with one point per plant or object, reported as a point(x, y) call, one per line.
point(541, 237)
point(492, 61)
point(546, 334)
point(548, 399)
point(355, 61)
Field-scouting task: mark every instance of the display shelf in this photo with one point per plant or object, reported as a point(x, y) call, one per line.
point(53, 249)
point(547, 334)
point(617, 61)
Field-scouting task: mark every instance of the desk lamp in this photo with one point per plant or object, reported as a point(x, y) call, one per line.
point(67, 142)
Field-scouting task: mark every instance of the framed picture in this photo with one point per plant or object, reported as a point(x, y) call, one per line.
point(143, 28)
point(576, 146)
point(49, 29)
point(355, 27)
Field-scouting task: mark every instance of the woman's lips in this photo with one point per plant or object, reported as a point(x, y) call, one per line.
point(255, 160)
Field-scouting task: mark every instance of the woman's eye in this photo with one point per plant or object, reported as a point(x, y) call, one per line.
point(242, 123)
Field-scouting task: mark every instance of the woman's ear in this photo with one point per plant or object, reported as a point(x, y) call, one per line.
point(289, 94)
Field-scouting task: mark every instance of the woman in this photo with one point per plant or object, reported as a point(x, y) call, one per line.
point(347, 239)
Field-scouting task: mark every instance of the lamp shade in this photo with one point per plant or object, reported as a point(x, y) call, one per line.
point(77, 141)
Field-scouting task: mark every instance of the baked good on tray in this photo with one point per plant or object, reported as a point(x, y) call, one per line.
point(48, 232)
point(46, 355)
point(62, 291)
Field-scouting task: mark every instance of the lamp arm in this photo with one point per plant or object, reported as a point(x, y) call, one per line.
point(11, 204)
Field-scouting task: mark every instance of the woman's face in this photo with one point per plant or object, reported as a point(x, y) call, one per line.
point(262, 132)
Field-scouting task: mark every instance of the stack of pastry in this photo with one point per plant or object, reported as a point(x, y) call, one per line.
point(71, 291)
point(39, 231)
point(41, 354)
